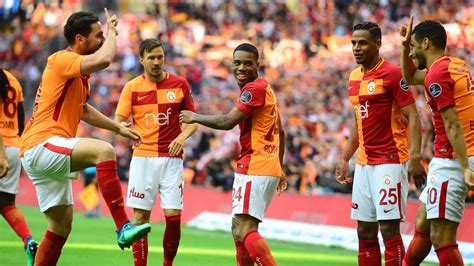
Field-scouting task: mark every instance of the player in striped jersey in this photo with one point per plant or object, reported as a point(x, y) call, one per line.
point(12, 119)
point(154, 100)
point(259, 172)
point(382, 103)
point(449, 91)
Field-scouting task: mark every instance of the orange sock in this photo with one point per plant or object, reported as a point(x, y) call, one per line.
point(258, 249)
point(448, 255)
point(17, 222)
point(111, 189)
point(171, 238)
point(242, 255)
point(49, 249)
point(369, 253)
point(418, 249)
point(140, 251)
point(394, 251)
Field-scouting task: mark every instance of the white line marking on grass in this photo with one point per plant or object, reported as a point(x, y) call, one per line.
point(296, 256)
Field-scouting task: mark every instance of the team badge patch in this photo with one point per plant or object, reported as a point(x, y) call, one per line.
point(386, 180)
point(404, 85)
point(171, 96)
point(246, 97)
point(371, 87)
point(435, 89)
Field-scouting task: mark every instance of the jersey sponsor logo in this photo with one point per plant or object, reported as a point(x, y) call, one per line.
point(371, 87)
point(404, 85)
point(171, 96)
point(362, 110)
point(270, 149)
point(159, 119)
point(435, 89)
point(7, 124)
point(136, 194)
point(246, 97)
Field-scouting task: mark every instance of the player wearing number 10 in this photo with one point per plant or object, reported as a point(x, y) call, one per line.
point(11, 125)
point(382, 101)
point(449, 92)
point(259, 171)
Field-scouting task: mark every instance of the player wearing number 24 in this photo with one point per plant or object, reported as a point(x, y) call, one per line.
point(259, 172)
point(382, 103)
point(449, 92)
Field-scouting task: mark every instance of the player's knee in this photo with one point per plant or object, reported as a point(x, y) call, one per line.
point(365, 232)
point(236, 230)
point(105, 152)
point(389, 230)
point(141, 217)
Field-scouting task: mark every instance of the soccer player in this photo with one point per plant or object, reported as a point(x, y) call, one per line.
point(449, 91)
point(52, 156)
point(154, 100)
point(259, 172)
point(12, 123)
point(384, 108)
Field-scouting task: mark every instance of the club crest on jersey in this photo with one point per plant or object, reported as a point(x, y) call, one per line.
point(386, 180)
point(433, 178)
point(404, 85)
point(435, 89)
point(246, 97)
point(171, 96)
point(371, 87)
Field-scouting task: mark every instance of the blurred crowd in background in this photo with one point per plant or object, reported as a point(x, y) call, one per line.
point(305, 54)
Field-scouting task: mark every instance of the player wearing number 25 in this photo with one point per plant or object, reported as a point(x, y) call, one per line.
point(383, 105)
point(449, 92)
point(259, 171)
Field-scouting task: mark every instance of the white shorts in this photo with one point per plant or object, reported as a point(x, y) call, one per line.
point(252, 194)
point(379, 192)
point(445, 191)
point(48, 165)
point(9, 183)
point(152, 175)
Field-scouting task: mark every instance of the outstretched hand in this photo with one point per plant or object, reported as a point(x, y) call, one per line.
point(4, 167)
point(405, 32)
point(417, 172)
point(186, 117)
point(112, 21)
point(282, 184)
point(126, 131)
point(342, 169)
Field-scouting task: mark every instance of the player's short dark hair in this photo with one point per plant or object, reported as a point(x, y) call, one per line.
point(4, 85)
point(433, 30)
point(371, 27)
point(148, 45)
point(248, 48)
point(79, 23)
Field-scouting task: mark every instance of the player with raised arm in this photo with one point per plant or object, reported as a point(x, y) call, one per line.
point(449, 91)
point(259, 172)
point(154, 100)
point(382, 103)
point(12, 122)
point(52, 155)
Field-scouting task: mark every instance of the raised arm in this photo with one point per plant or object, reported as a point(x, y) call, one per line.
point(415, 169)
point(411, 73)
point(104, 56)
point(223, 122)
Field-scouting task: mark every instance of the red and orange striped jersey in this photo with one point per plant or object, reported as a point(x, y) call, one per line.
point(9, 112)
point(259, 132)
point(155, 109)
point(60, 100)
point(377, 96)
point(448, 82)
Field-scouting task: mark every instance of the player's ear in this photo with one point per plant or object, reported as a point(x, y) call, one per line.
point(378, 43)
point(426, 43)
point(140, 60)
